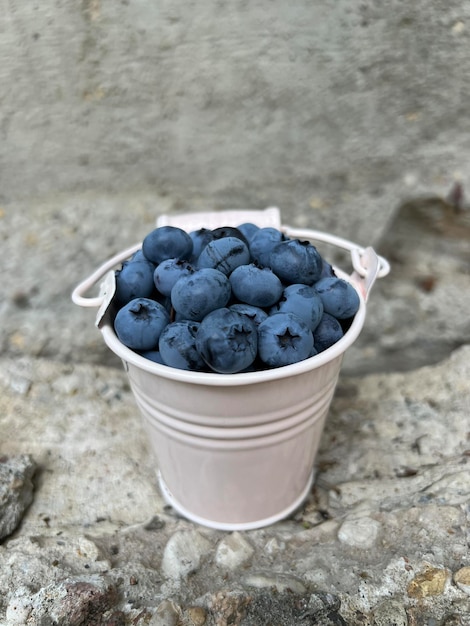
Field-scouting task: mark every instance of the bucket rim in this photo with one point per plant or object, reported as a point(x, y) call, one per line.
point(214, 379)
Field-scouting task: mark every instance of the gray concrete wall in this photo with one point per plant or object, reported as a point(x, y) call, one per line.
point(334, 110)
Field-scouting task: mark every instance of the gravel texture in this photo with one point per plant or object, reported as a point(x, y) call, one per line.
point(16, 491)
point(382, 536)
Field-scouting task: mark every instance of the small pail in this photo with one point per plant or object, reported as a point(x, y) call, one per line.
point(235, 451)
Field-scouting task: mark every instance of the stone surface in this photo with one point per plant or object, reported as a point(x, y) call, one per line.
point(233, 551)
point(390, 613)
point(196, 615)
point(294, 609)
point(16, 490)
point(383, 535)
point(229, 607)
point(183, 554)
point(167, 614)
point(338, 112)
point(280, 582)
point(430, 582)
point(462, 579)
point(72, 602)
point(359, 533)
point(393, 459)
point(418, 314)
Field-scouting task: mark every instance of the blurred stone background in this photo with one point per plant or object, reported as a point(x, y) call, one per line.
point(350, 117)
point(334, 111)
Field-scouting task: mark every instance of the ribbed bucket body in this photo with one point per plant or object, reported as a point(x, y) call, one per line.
point(254, 462)
point(235, 451)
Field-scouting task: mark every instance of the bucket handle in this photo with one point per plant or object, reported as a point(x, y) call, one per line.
point(78, 294)
point(368, 266)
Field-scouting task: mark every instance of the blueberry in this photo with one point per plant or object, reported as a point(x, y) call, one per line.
point(230, 299)
point(201, 238)
point(167, 242)
point(227, 341)
point(255, 313)
point(139, 323)
point(339, 297)
point(284, 338)
point(304, 301)
point(326, 269)
point(263, 242)
point(255, 285)
point(327, 333)
point(134, 280)
point(165, 301)
point(248, 230)
point(152, 355)
point(139, 256)
point(168, 272)
point(178, 346)
point(196, 295)
point(224, 254)
point(229, 231)
point(296, 261)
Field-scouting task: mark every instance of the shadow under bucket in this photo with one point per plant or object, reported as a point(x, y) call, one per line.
point(236, 451)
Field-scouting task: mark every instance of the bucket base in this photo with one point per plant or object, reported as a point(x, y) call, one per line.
point(181, 510)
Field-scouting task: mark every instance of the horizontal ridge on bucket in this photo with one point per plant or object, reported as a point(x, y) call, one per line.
point(242, 415)
point(245, 441)
point(297, 417)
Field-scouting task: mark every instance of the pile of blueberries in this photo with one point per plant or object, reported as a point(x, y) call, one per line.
point(230, 300)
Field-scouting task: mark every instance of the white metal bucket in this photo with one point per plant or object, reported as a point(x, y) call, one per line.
point(236, 451)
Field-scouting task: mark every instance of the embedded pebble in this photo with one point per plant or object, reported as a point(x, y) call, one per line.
point(77, 600)
point(197, 615)
point(17, 375)
point(68, 384)
point(229, 607)
point(16, 490)
point(19, 607)
point(20, 384)
point(293, 609)
point(183, 553)
point(88, 549)
point(280, 582)
point(167, 614)
point(390, 612)
point(361, 532)
point(274, 546)
point(234, 551)
point(431, 582)
point(462, 579)
point(323, 602)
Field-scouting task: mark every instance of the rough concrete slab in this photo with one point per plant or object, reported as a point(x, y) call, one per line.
point(16, 491)
point(339, 112)
point(419, 313)
point(383, 534)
